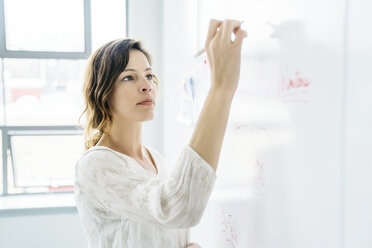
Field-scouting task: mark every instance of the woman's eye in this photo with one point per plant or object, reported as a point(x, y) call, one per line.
point(132, 77)
point(126, 77)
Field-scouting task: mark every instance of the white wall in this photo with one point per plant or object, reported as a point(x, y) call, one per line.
point(58, 228)
point(357, 199)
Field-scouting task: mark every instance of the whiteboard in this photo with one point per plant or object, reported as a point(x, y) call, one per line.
point(295, 164)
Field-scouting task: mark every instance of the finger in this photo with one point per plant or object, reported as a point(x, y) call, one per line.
point(239, 36)
point(213, 25)
point(227, 28)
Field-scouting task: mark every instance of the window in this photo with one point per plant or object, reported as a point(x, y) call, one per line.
point(40, 29)
point(44, 47)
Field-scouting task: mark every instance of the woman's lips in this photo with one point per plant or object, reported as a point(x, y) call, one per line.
point(145, 103)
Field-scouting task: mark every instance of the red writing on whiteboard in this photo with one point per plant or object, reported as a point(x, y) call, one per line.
point(294, 88)
point(260, 176)
point(296, 82)
point(229, 229)
point(262, 188)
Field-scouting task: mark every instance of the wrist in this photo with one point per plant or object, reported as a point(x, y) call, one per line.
point(222, 92)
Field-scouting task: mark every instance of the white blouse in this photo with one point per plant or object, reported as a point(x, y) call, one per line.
point(121, 204)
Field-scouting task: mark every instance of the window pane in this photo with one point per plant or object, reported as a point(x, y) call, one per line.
point(45, 161)
point(1, 163)
point(43, 92)
point(2, 107)
point(44, 25)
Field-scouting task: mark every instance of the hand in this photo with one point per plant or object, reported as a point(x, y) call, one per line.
point(224, 54)
point(193, 245)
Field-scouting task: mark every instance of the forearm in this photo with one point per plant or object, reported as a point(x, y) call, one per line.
point(211, 126)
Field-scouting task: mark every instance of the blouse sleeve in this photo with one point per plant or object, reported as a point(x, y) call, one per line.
point(178, 201)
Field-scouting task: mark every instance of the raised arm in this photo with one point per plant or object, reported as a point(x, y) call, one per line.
point(224, 58)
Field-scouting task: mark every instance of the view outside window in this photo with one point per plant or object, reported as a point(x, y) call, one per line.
point(43, 91)
point(44, 25)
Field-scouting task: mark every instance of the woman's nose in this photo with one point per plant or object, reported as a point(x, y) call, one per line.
point(146, 88)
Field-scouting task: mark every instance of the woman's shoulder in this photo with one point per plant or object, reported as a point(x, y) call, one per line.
point(99, 152)
point(99, 155)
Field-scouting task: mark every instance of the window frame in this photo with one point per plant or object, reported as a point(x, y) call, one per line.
point(5, 53)
point(8, 131)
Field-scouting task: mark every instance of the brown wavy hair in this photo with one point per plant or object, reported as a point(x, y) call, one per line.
point(103, 68)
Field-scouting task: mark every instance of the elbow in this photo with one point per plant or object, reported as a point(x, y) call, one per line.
point(186, 220)
point(190, 219)
point(193, 223)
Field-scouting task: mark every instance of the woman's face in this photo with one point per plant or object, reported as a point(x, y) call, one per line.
point(134, 85)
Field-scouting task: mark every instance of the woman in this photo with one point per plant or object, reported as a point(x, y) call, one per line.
point(122, 194)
